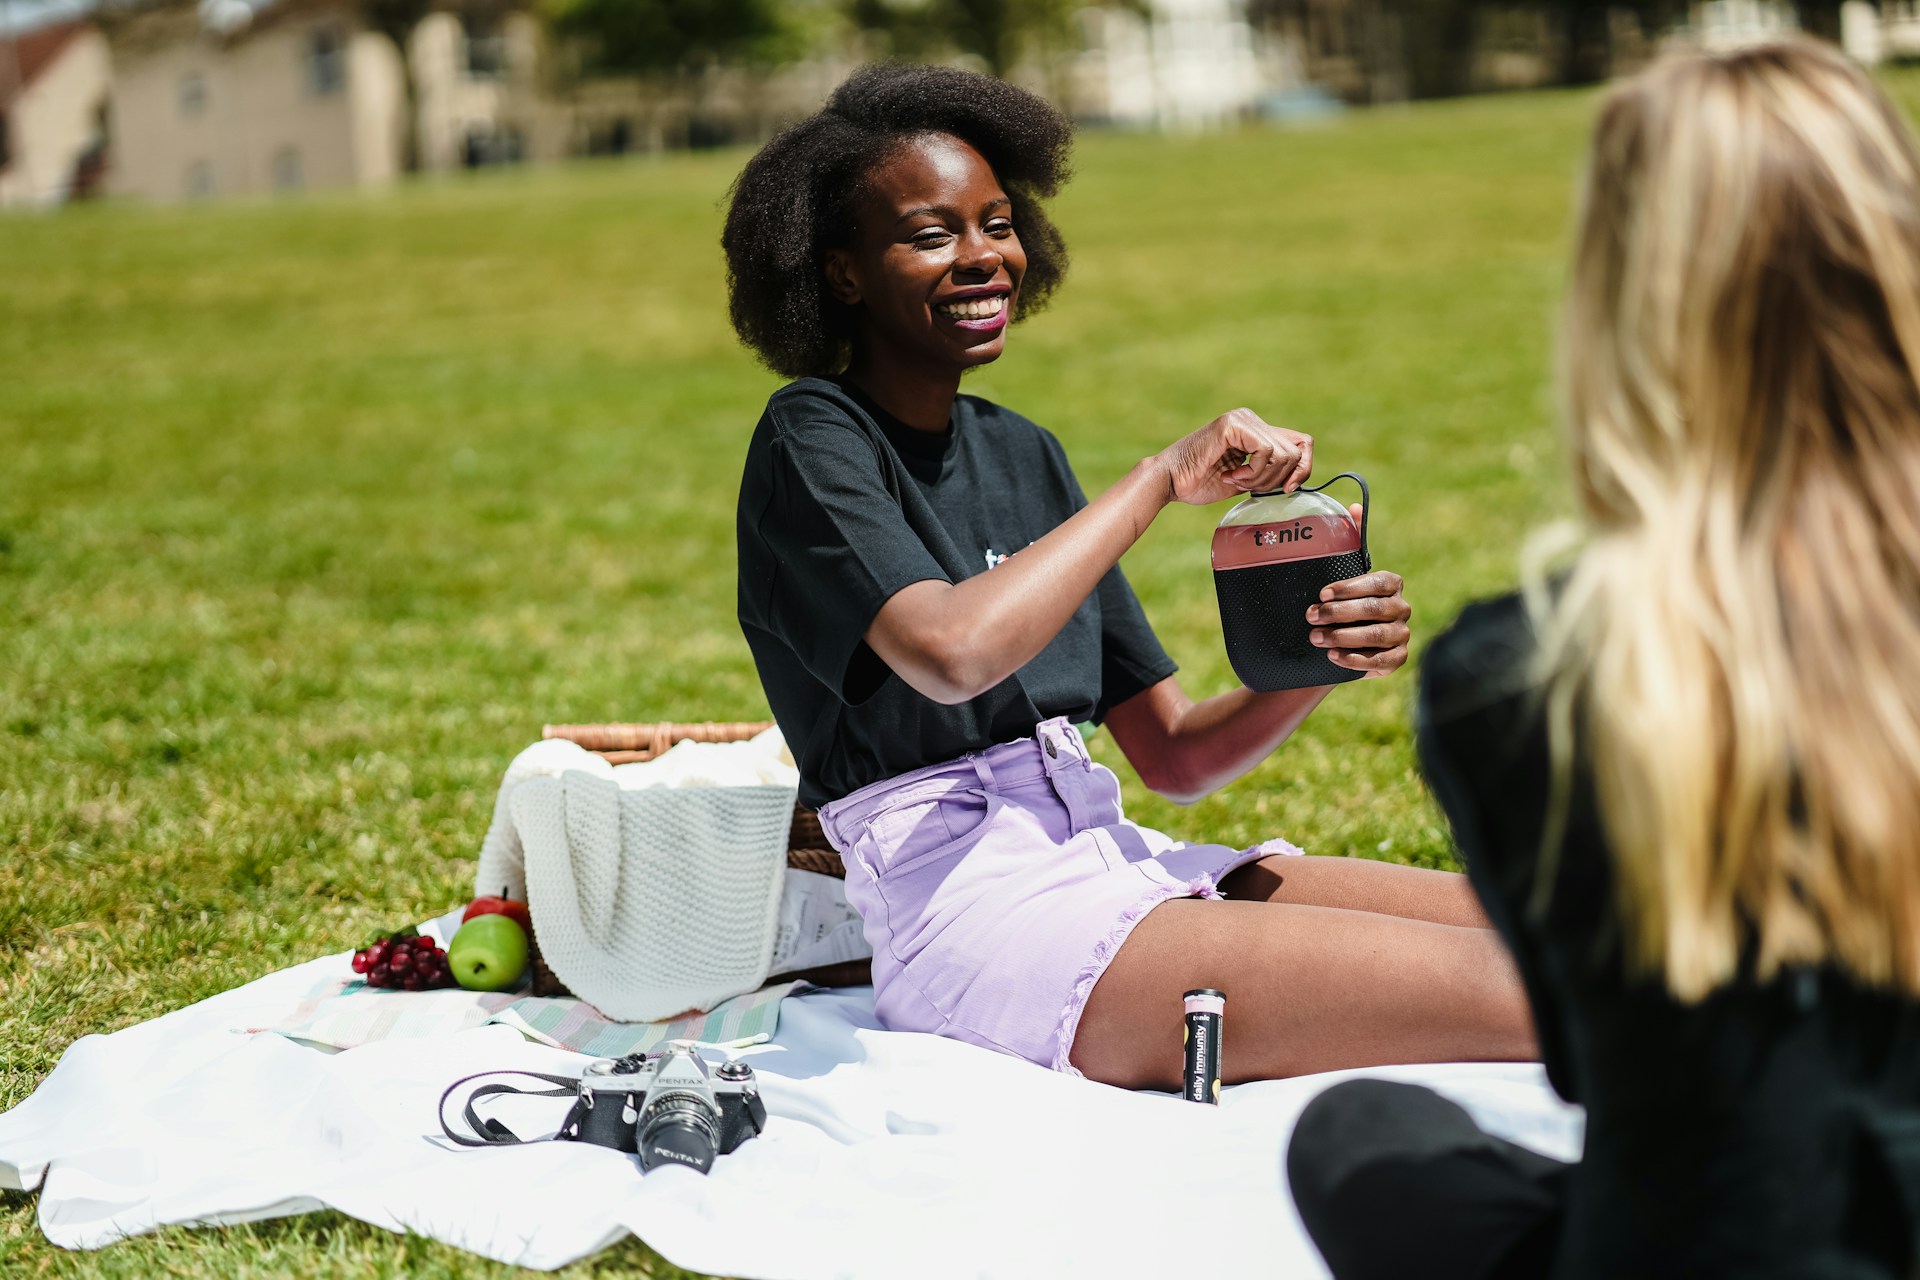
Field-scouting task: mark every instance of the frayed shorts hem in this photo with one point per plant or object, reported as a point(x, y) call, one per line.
point(1107, 948)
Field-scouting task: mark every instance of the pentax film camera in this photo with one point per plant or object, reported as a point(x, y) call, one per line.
point(668, 1108)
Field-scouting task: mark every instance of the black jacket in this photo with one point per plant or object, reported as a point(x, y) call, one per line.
point(1773, 1129)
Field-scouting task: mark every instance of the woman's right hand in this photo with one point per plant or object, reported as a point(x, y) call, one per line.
point(1236, 453)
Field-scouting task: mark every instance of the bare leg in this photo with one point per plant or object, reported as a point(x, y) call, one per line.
point(1309, 988)
point(1358, 884)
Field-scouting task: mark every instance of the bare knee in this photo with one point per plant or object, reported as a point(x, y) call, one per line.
point(1116, 1045)
point(1129, 1032)
point(1100, 1058)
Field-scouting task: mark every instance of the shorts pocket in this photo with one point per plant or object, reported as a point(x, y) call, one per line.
point(923, 881)
point(917, 833)
point(899, 834)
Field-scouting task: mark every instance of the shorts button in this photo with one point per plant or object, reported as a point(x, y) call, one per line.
point(1052, 750)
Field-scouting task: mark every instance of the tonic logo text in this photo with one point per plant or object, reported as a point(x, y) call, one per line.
point(1293, 533)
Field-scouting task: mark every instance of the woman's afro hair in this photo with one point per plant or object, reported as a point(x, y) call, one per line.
point(794, 200)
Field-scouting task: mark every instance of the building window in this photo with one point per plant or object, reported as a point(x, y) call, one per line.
point(199, 179)
point(615, 139)
point(486, 49)
point(286, 170)
point(193, 93)
point(485, 144)
point(6, 148)
point(487, 58)
point(326, 62)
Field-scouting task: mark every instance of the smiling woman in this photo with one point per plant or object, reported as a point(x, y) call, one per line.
point(933, 605)
point(932, 271)
point(797, 199)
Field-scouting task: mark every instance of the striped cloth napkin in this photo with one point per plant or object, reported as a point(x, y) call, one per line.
point(342, 1013)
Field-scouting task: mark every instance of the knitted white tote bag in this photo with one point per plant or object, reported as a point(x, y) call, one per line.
point(653, 902)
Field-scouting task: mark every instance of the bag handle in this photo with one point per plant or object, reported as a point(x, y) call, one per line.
point(1366, 500)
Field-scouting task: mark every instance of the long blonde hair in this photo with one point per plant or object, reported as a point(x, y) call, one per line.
point(1739, 639)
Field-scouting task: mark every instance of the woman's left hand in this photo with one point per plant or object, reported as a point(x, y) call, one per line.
point(1362, 622)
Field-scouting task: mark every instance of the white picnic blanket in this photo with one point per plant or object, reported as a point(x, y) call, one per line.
point(886, 1154)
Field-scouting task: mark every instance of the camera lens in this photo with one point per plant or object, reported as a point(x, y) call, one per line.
point(678, 1128)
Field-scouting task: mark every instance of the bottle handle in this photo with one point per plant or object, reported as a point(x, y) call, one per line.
point(1366, 500)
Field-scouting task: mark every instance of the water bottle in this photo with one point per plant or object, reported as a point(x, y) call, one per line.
point(1272, 555)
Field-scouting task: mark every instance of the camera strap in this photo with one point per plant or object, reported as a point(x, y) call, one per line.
point(491, 1132)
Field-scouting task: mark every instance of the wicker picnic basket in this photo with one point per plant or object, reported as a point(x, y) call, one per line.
point(807, 849)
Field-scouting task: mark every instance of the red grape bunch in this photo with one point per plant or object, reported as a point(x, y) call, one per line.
point(413, 962)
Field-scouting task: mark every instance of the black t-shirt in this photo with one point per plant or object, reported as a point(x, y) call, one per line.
point(841, 506)
point(1770, 1129)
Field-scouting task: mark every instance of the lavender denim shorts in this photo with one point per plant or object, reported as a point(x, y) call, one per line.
point(995, 889)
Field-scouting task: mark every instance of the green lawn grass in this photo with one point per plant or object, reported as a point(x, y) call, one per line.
point(311, 513)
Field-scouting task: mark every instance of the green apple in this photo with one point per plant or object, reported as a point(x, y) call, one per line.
point(489, 953)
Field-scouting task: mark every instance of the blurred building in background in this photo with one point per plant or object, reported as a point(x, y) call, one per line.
point(1348, 49)
point(1179, 64)
point(627, 114)
point(1885, 32)
point(476, 89)
point(1728, 24)
point(53, 112)
point(230, 101)
point(233, 99)
point(218, 97)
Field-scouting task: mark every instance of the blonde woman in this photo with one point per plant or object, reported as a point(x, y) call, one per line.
point(1689, 792)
